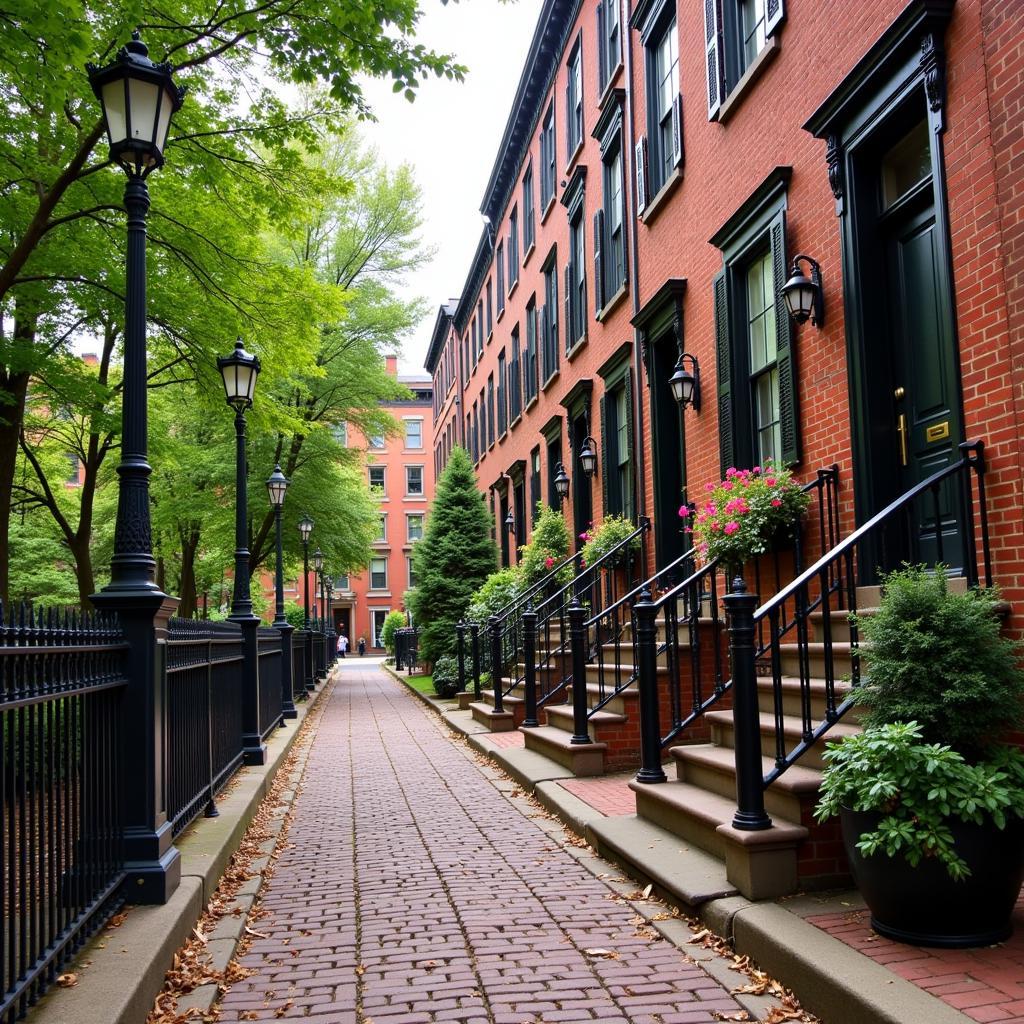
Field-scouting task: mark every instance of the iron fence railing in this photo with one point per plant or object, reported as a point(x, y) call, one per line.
point(299, 691)
point(269, 660)
point(407, 649)
point(62, 677)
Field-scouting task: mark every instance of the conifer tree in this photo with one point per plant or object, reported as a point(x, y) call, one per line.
point(454, 557)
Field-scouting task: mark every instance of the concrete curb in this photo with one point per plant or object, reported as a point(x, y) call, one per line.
point(121, 971)
point(830, 978)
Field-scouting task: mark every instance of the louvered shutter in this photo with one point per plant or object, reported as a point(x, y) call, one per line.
point(677, 131)
point(602, 48)
point(542, 343)
point(553, 319)
point(605, 456)
point(723, 351)
point(569, 329)
point(599, 288)
point(714, 56)
point(627, 506)
point(789, 406)
point(774, 12)
point(640, 153)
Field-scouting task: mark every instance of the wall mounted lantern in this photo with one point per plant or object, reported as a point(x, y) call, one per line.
point(561, 482)
point(588, 457)
point(685, 382)
point(804, 296)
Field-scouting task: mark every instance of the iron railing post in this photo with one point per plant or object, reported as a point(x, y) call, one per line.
point(530, 662)
point(496, 681)
point(646, 654)
point(474, 638)
point(750, 813)
point(460, 633)
point(578, 646)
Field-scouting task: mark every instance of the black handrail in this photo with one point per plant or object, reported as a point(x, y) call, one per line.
point(519, 602)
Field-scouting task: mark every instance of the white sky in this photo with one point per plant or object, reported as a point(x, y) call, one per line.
point(450, 135)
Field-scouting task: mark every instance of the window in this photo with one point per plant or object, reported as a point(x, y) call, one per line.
point(554, 461)
point(382, 532)
point(515, 380)
point(548, 171)
point(414, 526)
point(414, 481)
point(609, 230)
point(529, 228)
point(617, 439)
point(530, 362)
point(474, 433)
point(490, 308)
point(662, 95)
point(73, 465)
point(609, 40)
point(341, 583)
point(480, 322)
point(575, 284)
point(513, 248)
point(549, 321)
point(499, 261)
point(757, 389)
point(377, 479)
point(412, 571)
point(491, 435)
point(534, 485)
point(735, 34)
point(414, 433)
point(377, 441)
point(502, 394)
point(574, 101)
point(377, 617)
point(623, 450)
point(378, 574)
point(340, 431)
point(484, 438)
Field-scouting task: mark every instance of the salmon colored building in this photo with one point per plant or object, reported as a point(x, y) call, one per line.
point(665, 170)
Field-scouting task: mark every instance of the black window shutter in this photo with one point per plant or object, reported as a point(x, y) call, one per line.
point(677, 131)
point(605, 456)
point(789, 406)
point(553, 318)
point(627, 386)
point(599, 288)
point(542, 342)
point(714, 56)
point(723, 351)
point(640, 152)
point(774, 12)
point(569, 339)
point(602, 47)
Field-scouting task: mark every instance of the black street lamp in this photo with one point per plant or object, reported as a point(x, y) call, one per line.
point(588, 457)
point(138, 99)
point(239, 372)
point(685, 382)
point(305, 529)
point(318, 565)
point(277, 487)
point(561, 482)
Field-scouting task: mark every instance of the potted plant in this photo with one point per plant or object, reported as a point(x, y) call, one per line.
point(930, 795)
point(747, 514)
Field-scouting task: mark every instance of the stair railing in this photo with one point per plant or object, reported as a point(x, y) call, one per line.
point(924, 513)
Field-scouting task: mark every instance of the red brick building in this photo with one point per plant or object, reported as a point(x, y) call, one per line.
point(637, 209)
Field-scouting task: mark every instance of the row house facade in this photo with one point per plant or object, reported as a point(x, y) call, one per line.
point(662, 166)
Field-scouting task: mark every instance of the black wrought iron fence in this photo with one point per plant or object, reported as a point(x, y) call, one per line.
point(299, 665)
point(407, 649)
point(62, 676)
point(269, 659)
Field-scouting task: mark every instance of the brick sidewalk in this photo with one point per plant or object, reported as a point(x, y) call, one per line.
point(412, 891)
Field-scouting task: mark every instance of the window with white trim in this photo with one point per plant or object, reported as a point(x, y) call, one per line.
point(378, 574)
point(414, 481)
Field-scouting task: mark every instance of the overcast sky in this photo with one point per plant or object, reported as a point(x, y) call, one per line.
point(450, 135)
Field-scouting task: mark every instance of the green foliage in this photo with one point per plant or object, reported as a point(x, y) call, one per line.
point(446, 676)
point(614, 530)
point(917, 787)
point(39, 570)
point(392, 621)
point(937, 658)
point(294, 613)
point(746, 512)
point(498, 590)
point(453, 559)
point(549, 545)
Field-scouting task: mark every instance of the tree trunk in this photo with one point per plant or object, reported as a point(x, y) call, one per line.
point(187, 584)
point(80, 549)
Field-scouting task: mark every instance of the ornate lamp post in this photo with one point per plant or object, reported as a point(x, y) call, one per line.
point(318, 625)
point(305, 529)
point(277, 487)
point(239, 372)
point(138, 99)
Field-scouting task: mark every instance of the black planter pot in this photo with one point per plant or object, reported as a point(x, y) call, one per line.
point(923, 905)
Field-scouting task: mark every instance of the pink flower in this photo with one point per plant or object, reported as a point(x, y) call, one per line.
point(684, 510)
point(730, 472)
point(710, 508)
point(687, 529)
point(776, 502)
point(732, 526)
point(714, 525)
point(549, 562)
point(756, 469)
point(770, 481)
point(709, 487)
point(727, 486)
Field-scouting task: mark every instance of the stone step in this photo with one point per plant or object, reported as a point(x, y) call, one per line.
point(625, 702)
point(560, 717)
point(791, 697)
point(721, 723)
point(761, 864)
point(842, 659)
point(714, 768)
point(496, 721)
point(582, 759)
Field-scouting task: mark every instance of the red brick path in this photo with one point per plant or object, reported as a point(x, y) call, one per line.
point(609, 795)
point(412, 891)
point(986, 984)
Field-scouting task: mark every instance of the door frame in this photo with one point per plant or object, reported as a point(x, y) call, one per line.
point(901, 76)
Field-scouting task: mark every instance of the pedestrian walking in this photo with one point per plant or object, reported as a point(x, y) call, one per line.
point(342, 644)
point(362, 646)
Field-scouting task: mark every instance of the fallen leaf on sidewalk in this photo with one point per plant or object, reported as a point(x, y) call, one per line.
point(699, 937)
point(252, 931)
point(604, 954)
point(67, 980)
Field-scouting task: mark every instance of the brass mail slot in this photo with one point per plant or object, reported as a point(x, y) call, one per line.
point(937, 432)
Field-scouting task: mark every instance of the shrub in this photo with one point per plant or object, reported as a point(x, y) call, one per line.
point(746, 512)
point(453, 559)
point(295, 614)
point(549, 545)
point(498, 590)
point(600, 540)
point(392, 621)
point(446, 677)
point(937, 658)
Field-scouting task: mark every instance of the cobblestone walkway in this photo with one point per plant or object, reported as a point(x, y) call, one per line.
point(412, 891)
